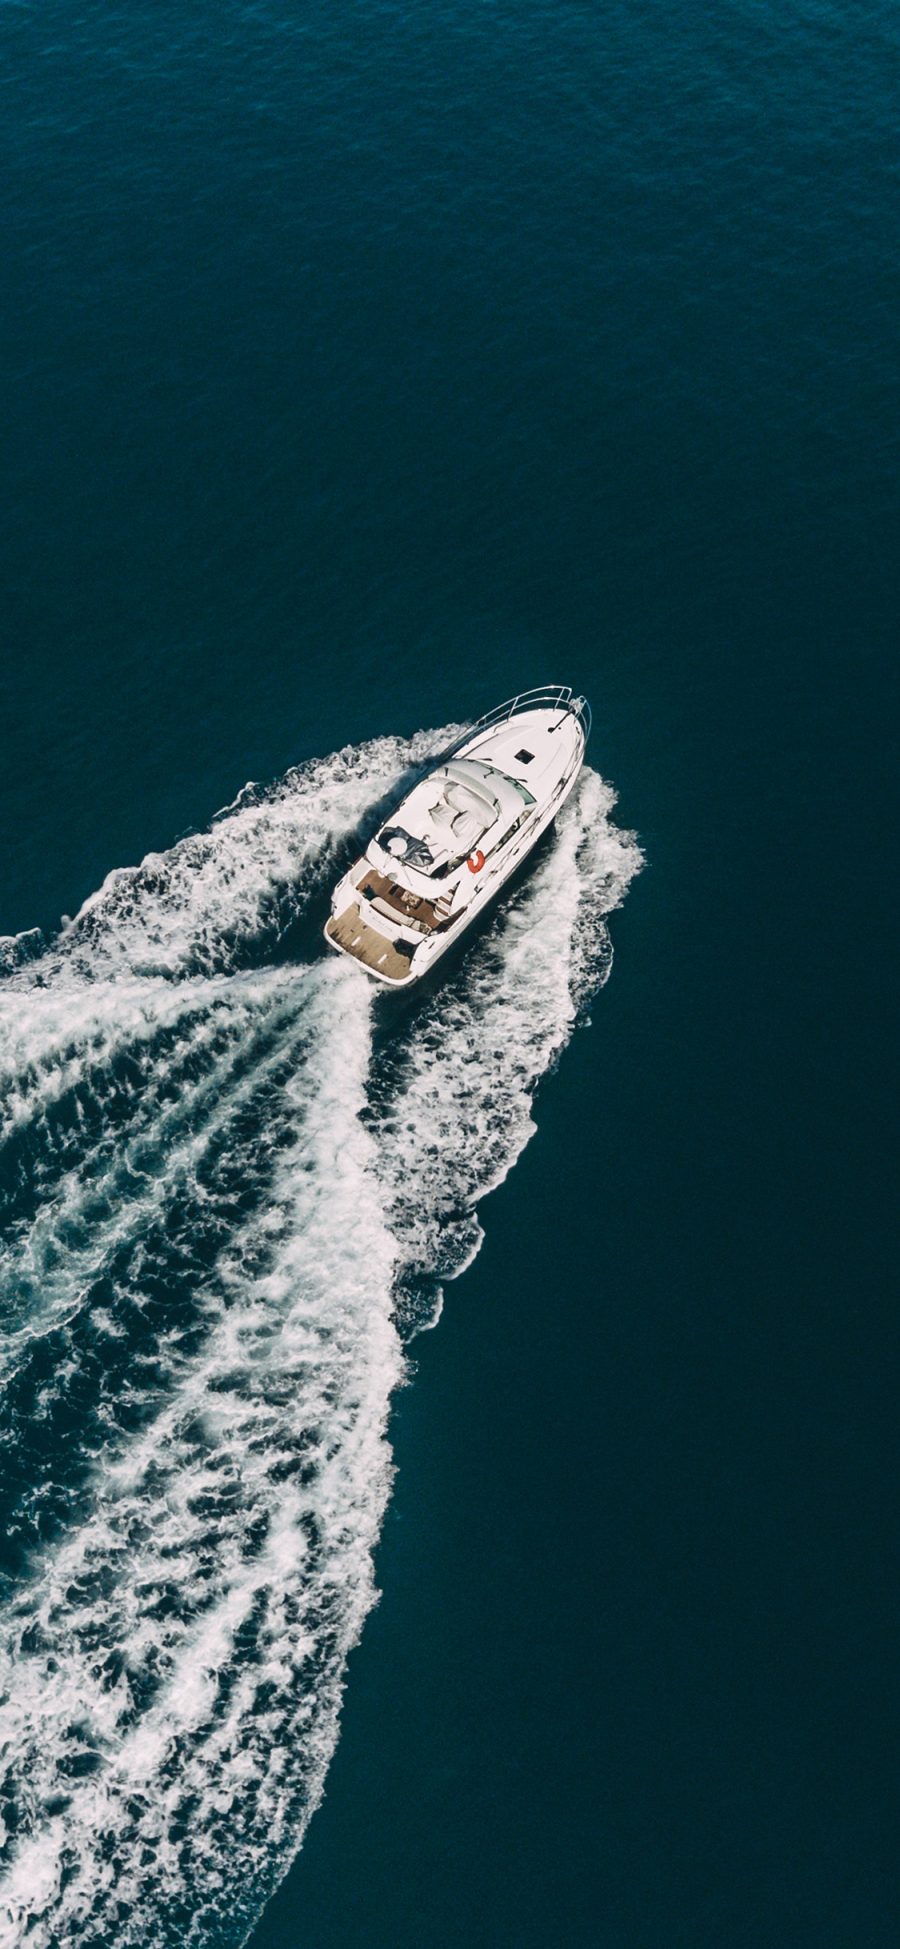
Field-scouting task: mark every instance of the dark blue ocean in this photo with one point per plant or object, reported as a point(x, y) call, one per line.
point(448, 1455)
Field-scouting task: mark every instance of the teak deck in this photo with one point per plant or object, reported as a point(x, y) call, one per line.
point(366, 945)
point(410, 907)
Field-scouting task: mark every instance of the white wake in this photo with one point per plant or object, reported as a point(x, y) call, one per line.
point(229, 1188)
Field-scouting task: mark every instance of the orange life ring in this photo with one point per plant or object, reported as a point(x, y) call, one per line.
point(475, 861)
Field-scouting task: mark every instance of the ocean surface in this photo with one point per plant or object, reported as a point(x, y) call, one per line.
point(448, 1452)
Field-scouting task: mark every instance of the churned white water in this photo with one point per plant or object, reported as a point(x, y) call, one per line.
point(228, 1190)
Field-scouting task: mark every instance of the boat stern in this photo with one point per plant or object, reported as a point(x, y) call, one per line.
point(386, 958)
point(367, 930)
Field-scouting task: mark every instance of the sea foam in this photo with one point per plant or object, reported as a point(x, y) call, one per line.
point(230, 1188)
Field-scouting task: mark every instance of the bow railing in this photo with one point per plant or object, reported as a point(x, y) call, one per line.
point(556, 697)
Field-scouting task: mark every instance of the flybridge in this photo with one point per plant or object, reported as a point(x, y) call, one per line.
point(462, 805)
point(450, 845)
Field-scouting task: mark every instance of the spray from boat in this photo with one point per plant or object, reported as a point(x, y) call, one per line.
point(226, 1202)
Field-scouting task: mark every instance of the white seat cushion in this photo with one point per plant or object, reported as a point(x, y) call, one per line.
point(462, 800)
point(442, 816)
point(467, 828)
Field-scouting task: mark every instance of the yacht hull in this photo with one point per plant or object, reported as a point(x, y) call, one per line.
point(540, 738)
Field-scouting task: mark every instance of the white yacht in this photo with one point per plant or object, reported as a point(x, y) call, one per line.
point(447, 848)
